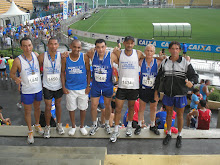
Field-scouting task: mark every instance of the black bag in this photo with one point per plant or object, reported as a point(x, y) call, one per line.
point(43, 122)
point(161, 86)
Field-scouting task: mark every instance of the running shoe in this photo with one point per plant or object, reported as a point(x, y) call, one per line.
point(83, 131)
point(108, 129)
point(129, 131)
point(19, 105)
point(179, 141)
point(6, 78)
point(167, 139)
point(93, 130)
point(155, 130)
point(60, 129)
point(72, 131)
point(38, 129)
point(114, 137)
point(30, 139)
point(137, 131)
point(47, 132)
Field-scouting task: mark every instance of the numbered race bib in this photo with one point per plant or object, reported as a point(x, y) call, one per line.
point(100, 77)
point(148, 81)
point(53, 78)
point(33, 79)
point(128, 82)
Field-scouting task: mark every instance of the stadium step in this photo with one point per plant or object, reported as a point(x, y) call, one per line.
point(52, 155)
point(22, 131)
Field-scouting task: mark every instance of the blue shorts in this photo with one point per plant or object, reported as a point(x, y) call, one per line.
point(96, 92)
point(178, 102)
point(29, 98)
point(101, 105)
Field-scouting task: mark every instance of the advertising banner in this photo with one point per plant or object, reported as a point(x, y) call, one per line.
point(191, 47)
point(65, 9)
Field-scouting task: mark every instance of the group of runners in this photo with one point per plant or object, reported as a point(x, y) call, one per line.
point(69, 73)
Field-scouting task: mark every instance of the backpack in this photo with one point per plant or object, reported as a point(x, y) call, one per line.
point(43, 122)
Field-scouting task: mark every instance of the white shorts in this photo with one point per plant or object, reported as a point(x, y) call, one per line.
point(76, 99)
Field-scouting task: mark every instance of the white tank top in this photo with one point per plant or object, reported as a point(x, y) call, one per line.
point(2, 63)
point(128, 70)
point(52, 72)
point(31, 82)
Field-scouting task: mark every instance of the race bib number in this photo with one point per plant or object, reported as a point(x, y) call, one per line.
point(33, 79)
point(148, 81)
point(128, 82)
point(100, 77)
point(53, 78)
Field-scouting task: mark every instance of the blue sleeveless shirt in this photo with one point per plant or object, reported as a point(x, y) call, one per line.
point(149, 73)
point(76, 73)
point(102, 72)
point(201, 91)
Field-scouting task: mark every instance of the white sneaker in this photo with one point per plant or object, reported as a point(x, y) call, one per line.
point(30, 139)
point(47, 132)
point(6, 78)
point(83, 131)
point(60, 129)
point(2, 78)
point(19, 105)
point(72, 131)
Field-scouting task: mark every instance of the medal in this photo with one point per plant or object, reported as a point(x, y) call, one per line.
point(33, 72)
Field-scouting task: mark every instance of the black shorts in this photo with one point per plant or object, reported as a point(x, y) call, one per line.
point(147, 95)
point(127, 94)
point(48, 94)
point(2, 70)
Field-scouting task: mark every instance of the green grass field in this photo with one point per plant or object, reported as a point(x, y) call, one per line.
point(138, 23)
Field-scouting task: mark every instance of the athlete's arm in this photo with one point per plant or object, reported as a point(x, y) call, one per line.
point(140, 55)
point(114, 58)
point(88, 73)
point(15, 67)
point(63, 78)
point(90, 53)
point(41, 59)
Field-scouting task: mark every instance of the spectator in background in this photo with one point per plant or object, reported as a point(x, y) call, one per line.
point(3, 67)
point(185, 47)
point(202, 117)
point(69, 32)
point(205, 91)
point(161, 117)
point(194, 99)
point(6, 121)
point(10, 62)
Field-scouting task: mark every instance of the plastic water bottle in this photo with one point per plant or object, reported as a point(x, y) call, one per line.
point(165, 127)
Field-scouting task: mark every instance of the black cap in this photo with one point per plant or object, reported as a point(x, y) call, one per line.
point(127, 38)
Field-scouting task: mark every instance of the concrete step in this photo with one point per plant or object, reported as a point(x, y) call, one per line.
point(48, 154)
point(53, 150)
point(145, 133)
point(40, 161)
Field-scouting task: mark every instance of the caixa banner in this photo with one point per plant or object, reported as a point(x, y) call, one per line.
point(191, 47)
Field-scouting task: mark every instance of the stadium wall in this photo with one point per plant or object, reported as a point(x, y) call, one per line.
point(143, 42)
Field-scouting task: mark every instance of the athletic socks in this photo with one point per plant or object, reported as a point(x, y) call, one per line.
point(169, 132)
point(129, 124)
point(152, 123)
point(179, 134)
point(107, 122)
point(116, 128)
point(95, 122)
point(140, 123)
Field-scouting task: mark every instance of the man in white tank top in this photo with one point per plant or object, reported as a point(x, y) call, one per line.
point(52, 86)
point(28, 66)
point(128, 88)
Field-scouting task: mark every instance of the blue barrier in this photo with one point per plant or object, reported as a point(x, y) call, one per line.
point(191, 47)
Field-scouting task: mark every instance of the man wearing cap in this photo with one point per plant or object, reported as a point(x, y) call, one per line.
point(128, 87)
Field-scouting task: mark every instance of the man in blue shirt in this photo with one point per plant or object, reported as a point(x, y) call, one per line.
point(185, 47)
point(69, 32)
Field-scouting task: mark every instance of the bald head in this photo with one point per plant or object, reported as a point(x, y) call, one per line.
point(76, 41)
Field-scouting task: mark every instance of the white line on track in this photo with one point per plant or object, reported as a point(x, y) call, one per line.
point(96, 21)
